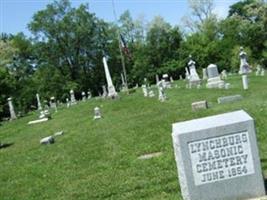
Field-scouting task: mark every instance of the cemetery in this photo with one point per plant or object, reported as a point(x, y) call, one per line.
point(151, 119)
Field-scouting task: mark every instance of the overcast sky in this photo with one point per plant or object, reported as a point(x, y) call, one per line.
point(16, 14)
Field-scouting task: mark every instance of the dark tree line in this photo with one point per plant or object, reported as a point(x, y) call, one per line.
point(68, 44)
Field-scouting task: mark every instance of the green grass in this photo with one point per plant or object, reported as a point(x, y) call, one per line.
point(98, 159)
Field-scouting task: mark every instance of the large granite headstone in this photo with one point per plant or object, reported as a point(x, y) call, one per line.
point(214, 79)
point(217, 158)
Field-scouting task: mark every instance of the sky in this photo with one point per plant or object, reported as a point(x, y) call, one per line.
point(16, 14)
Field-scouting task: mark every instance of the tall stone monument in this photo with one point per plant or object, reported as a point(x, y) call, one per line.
point(194, 79)
point(244, 66)
point(214, 79)
point(111, 89)
point(39, 105)
point(217, 158)
point(11, 109)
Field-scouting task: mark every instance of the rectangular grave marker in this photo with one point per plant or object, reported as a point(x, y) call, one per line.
point(217, 157)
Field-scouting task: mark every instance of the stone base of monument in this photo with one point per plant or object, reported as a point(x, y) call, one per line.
point(215, 82)
point(194, 83)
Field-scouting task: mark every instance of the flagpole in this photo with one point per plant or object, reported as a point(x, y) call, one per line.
point(121, 54)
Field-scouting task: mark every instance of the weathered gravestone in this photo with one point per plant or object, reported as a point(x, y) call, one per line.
point(199, 105)
point(229, 99)
point(217, 157)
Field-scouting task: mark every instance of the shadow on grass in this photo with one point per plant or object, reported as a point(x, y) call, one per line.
point(2, 146)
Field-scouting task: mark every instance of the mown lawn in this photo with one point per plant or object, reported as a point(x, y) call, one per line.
point(98, 159)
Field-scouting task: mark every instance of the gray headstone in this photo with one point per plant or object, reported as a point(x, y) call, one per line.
point(229, 99)
point(212, 71)
point(217, 158)
point(199, 105)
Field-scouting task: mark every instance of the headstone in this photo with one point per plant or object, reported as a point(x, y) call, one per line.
point(59, 133)
point(89, 95)
point(45, 114)
point(145, 91)
point(227, 86)
point(229, 99)
point(217, 157)
point(38, 121)
point(245, 82)
point(199, 105)
point(181, 77)
point(39, 105)
point(214, 80)
point(151, 93)
point(258, 71)
point(165, 81)
point(47, 140)
point(224, 74)
point(194, 79)
point(162, 95)
point(72, 98)
point(157, 78)
point(244, 66)
point(204, 74)
point(111, 89)
point(171, 79)
point(53, 103)
point(97, 113)
point(68, 102)
point(11, 109)
point(83, 96)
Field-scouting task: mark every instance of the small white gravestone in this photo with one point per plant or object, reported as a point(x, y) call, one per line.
point(199, 105)
point(244, 66)
point(83, 96)
point(45, 114)
point(214, 80)
point(11, 109)
point(165, 81)
point(181, 77)
point(89, 95)
point(258, 70)
point(53, 103)
point(47, 140)
point(145, 91)
point(68, 102)
point(217, 157)
point(111, 89)
point(227, 86)
point(97, 113)
point(224, 74)
point(151, 93)
point(39, 105)
point(245, 82)
point(204, 74)
point(171, 79)
point(72, 98)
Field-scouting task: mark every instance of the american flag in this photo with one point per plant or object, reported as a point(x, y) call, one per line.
point(124, 46)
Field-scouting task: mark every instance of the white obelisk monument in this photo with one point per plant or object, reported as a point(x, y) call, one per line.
point(38, 102)
point(111, 89)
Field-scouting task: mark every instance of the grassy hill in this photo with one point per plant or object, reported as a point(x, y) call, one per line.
point(98, 159)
